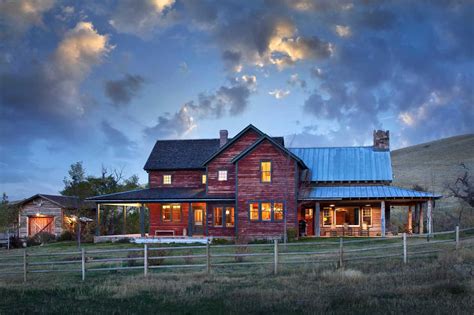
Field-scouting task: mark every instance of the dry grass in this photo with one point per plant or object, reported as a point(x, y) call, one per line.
point(425, 286)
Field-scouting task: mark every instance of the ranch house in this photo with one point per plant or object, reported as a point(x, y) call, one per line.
point(253, 186)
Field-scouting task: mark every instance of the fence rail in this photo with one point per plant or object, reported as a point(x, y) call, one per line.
point(210, 256)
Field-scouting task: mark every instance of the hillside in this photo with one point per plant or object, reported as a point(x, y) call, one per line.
point(433, 166)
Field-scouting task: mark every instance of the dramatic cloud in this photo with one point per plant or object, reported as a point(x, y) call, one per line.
point(278, 94)
point(17, 17)
point(140, 17)
point(121, 91)
point(117, 141)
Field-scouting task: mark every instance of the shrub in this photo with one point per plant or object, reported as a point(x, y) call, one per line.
point(15, 242)
point(220, 241)
point(66, 235)
point(292, 234)
point(41, 238)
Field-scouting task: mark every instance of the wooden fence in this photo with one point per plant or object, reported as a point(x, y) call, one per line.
point(211, 257)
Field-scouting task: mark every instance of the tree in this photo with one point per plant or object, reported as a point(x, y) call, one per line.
point(8, 214)
point(463, 189)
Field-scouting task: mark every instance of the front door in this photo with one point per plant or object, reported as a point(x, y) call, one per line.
point(308, 217)
point(198, 220)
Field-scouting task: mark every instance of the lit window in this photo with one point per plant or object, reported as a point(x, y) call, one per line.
point(222, 175)
point(327, 217)
point(204, 179)
point(266, 211)
point(166, 212)
point(254, 211)
point(198, 216)
point(176, 215)
point(367, 216)
point(266, 171)
point(166, 179)
point(278, 211)
point(229, 216)
point(218, 216)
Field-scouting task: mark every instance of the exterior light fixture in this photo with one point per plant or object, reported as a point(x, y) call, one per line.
point(332, 205)
point(38, 214)
point(367, 205)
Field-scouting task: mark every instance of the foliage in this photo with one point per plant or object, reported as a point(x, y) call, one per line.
point(8, 214)
point(221, 241)
point(292, 234)
point(157, 253)
point(66, 235)
point(463, 189)
point(41, 238)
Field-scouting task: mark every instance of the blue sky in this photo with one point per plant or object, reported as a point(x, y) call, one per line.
point(100, 81)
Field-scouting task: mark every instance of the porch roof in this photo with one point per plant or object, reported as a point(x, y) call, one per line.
point(363, 192)
point(159, 195)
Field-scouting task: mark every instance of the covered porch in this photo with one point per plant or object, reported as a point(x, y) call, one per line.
point(363, 210)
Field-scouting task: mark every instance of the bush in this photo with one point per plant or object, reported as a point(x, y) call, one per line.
point(41, 238)
point(292, 234)
point(220, 241)
point(66, 235)
point(15, 242)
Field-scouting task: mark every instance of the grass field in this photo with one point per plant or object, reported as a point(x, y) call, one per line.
point(434, 284)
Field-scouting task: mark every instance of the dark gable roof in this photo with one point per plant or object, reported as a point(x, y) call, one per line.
point(190, 154)
point(67, 202)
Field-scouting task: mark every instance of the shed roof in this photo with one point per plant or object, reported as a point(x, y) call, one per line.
point(362, 192)
point(67, 202)
point(346, 163)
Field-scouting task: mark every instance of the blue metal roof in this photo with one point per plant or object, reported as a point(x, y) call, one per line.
point(346, 163)
point(355, 192)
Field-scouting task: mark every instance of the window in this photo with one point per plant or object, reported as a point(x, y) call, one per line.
point(198, 215)
point(204, 179)
point(229, 216)
point(176, 215)
point(166, 179)
point(308, 214)
point(222, 175)
point(166, 212)
point(367, 216)
point(266, 171)
point(254, 211)
point(278, 211)
point(266, 211)
point(218, 216)
point(327, 216)
point(347, 215)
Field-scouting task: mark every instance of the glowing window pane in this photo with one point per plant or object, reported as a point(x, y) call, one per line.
point(166, 212)
point(229, 216)
point(254, 211)
point(266, 211)
point(166, 179)
point(222, 175)
point(266, 171)
point(278, 211)
point(218, 216)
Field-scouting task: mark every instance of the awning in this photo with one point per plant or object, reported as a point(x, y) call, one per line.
point(363, 192)
point(160, 195)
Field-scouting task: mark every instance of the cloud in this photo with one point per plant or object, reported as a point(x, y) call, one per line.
point(279, 94)
point(183, 67)
point(141, 17)
point(121, 91)
point(343, 31)
point(17, 17)
point(117, 141)
point(295, 80)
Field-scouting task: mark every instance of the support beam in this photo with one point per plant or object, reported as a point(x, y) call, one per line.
point(416, 219)
point(97, 227)
point(429, 217)
point(142, 220)
point(316, 216)
point(382, 218)
point(124, 209)
point(410, 218)
point(421, 222)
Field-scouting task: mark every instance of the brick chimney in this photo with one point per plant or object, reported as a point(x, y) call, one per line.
point(223, 135)
point(381, 140)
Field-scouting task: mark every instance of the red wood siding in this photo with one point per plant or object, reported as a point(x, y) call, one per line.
point(185, 178)
point(223, 162)
point(250, 188)
point(156, 222)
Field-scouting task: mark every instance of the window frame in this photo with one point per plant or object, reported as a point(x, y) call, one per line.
point(204, 179)
point(282, 211)
point(261, 171)
point(219, 177)
point(214, 216)
point(348, 209)
point(331, 216)
point(231, 215)
point(361, 215)
point(171, 206)
point(272, 210)
point(258, 211)
point(170, 177)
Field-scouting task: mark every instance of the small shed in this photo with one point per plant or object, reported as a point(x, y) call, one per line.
point(49, 213)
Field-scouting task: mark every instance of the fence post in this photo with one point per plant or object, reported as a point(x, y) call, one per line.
point(275, 256)
point(208, 257)
point(457, 237)
point(24, 265)
point(404, 248)
point(83, 263)
point(341, 252)
point(145, 259)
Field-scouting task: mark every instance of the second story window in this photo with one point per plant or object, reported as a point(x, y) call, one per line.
point(266, 171)
point(166, 179)
point(204, 179)
point(222, 175)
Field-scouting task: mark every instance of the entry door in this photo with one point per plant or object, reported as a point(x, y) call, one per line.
point(198, 220)
point(40, 224)
point(309, 218)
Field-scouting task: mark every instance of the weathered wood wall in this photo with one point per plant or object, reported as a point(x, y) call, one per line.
point(184, 178)
point(47, 208)
point(156, 221)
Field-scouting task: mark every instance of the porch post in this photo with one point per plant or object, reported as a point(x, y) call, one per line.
point(416, 218)
point(124, 220)
point(421, 222)
point(410, 218)
point(97, 227)
point(382, 218)
point(316, 215)
point(142, 220)
point(429, 217)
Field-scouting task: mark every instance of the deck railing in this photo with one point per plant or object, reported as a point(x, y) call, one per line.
point(209, 258)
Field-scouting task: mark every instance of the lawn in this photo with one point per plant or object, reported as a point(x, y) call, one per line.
point(434, 284)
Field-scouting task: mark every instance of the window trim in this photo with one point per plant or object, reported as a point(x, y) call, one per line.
point(261, 171)
point(224, 216)
point(226, 175)
point(361, 216)
point(331, 215)
point(214, 216)
point(272, 213)
point(171, 179)
point(350, 225)
point(224, 220)
point(171, 208)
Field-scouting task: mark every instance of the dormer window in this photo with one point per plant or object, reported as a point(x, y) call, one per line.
point(222, 175)
point(166, 179)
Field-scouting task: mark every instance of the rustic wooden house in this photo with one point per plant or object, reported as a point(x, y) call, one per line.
point(253, 186)
point(48, 213)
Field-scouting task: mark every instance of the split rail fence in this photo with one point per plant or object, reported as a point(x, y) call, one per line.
point(212, 258)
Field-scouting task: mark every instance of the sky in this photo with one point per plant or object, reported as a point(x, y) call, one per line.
point(101, 81)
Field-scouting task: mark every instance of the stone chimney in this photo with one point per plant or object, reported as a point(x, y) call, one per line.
point(381, 140)
point(223, 135)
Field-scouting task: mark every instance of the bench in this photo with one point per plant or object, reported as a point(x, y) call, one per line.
point(160, 232)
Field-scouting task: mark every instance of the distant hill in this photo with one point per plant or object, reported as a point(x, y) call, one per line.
point(433, 166)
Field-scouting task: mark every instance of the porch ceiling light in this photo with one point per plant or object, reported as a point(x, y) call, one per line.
point(367, 205)
point(332, 205)
point(38, 214)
